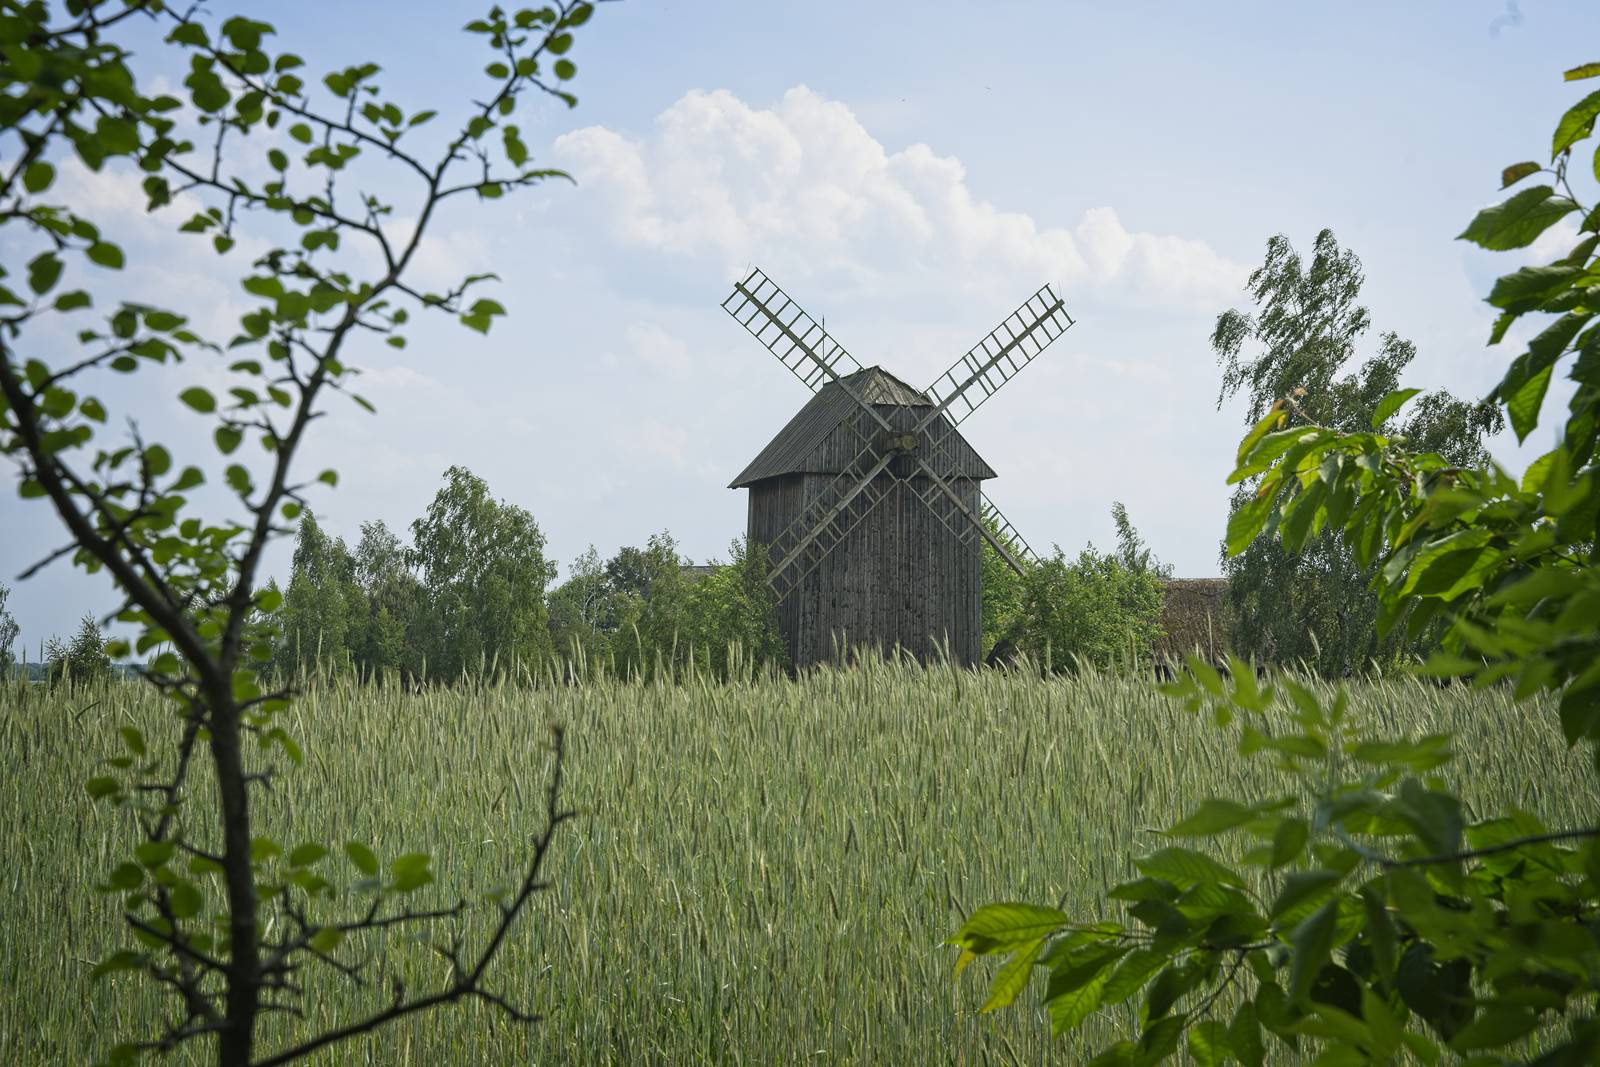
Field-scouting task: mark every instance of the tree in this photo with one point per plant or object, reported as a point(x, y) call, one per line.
point(582, 610)
point(391, 592)
point(731, 616)
point(83, 660)
point(1400, 923)
point(1097, 609)
point(483, 579)
point(224, 917)
point(9, 630)
point(1316, 606)
point(324, 615)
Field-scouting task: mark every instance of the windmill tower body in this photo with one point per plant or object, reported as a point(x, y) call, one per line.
point(869, 502)
point(899, 577)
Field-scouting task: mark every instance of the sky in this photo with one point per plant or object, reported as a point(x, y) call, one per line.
point(910, 173)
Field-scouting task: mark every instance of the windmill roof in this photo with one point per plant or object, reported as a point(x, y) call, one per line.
point(814, 442)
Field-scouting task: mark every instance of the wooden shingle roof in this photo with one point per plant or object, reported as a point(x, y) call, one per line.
point(825, 434)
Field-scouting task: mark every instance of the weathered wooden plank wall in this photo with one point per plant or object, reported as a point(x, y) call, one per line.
point(899, 578)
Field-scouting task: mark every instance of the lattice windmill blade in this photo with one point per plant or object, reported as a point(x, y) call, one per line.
point(1008, 533)
point(995, 360)
point(960, 519)
point(784, 328)
point(841, 506)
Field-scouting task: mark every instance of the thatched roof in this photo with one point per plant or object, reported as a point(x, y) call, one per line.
point(1194, 617)
point(822, 437)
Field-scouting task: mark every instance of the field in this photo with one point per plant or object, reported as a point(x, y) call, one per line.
point(763, 872)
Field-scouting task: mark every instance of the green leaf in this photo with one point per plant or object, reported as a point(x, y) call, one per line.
point(410, 871)
point(43, 272)
point(1313, 946)
point(38, 176)
point(157, 460)
point(307, 854)
point(1135, 969)
point(1209, 1044)
point(362, 856)
point(1576, 124)
point(1247, 521)
point(125, 876)
point(227, 439)
point(133, 737)
point(1288, 841)
point(1523, 406)
point(199, 399)
point(1302, 888)
point(105, 255)
point(121, 960)
point(101, 787)
point(1518, 222)
point(1012, 978)
point(1186, 867)
point(1213, 817)
point(1069, 1009)
point(1391, 404)
point(1516, 172)
point(326, 939)
point(185, 900)
point(1436, 816)
point(1002, 927)
point(154, 854)
point(1244, 1037)
point(1587, 70)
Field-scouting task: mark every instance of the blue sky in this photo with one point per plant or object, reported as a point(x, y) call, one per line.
point(912, 172)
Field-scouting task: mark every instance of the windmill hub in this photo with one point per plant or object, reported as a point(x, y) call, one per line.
point(868, 501)
point(901, 444)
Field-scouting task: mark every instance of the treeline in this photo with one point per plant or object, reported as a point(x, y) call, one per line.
point(471, 593)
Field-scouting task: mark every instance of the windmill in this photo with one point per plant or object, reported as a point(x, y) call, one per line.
point(869, 501)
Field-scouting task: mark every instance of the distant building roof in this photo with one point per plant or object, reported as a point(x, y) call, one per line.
point(818, 441)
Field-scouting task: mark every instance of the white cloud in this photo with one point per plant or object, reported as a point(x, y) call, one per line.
point(1553, 243)
point(658, 348)
point(803, 188)
point(396, 377)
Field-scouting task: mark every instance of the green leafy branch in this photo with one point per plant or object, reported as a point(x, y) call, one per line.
point(1397, 927)
point(198, 896)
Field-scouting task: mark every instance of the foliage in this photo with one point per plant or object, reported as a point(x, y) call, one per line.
point(81, 661)
point(1315, 605)
point(641, 613)
point(731, 616)
point(9, 630)
point(1390, 918)
point(1002, 604)
point(227, 920)
point(483, 575)
point(393, 601)
point(1099, 609)
point(324, 608)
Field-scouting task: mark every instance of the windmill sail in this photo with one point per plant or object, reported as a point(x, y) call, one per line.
point(996, 359)
point(828, 519)
point(784, 328)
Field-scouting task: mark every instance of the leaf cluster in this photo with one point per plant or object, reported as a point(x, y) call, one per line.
point(1371, 916)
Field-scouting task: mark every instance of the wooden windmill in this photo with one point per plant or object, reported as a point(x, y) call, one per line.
point(869, 501)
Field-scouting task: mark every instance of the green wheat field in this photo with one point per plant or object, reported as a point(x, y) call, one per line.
point(763, 871)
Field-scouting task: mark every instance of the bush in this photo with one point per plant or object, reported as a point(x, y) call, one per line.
point(1098, 609)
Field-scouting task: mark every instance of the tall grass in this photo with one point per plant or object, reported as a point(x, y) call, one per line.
point(763, 870)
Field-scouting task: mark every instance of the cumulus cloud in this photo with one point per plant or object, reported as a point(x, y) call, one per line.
point(658, 348)
point(803, 187)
